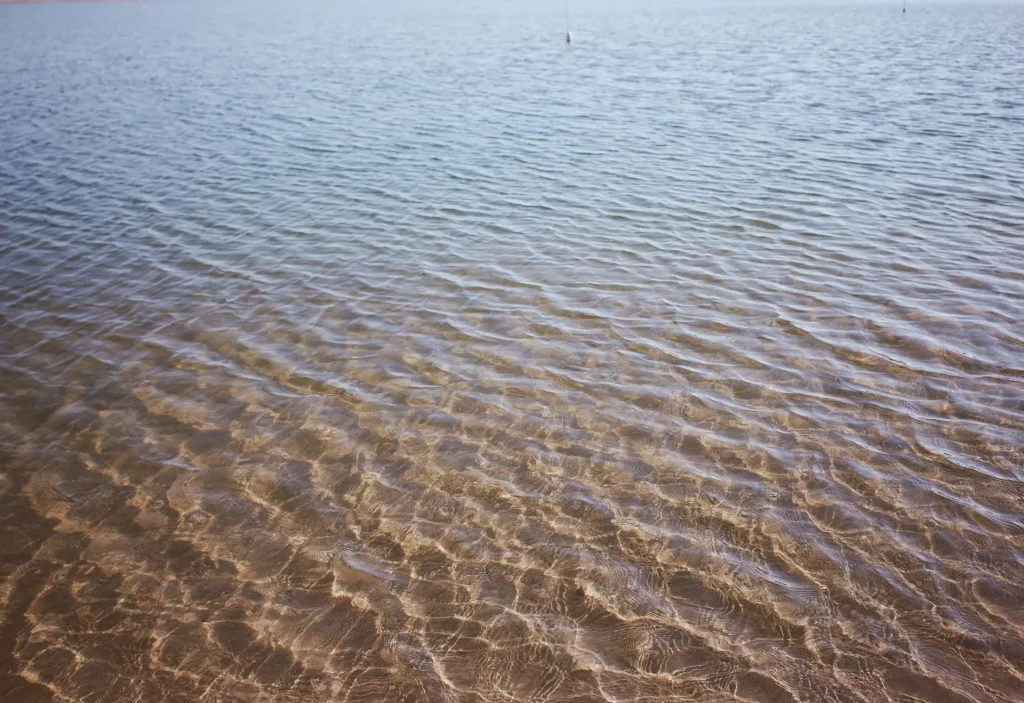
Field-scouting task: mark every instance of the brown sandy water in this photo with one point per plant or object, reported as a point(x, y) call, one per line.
point(374, 357)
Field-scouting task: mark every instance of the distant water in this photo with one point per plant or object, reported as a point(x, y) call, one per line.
point(410, 355)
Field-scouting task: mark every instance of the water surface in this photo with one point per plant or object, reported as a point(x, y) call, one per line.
point(408, 354)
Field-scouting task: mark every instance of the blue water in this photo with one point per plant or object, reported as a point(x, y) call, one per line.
point(405, 353)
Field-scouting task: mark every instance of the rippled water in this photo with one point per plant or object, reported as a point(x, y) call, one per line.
point(411, 355)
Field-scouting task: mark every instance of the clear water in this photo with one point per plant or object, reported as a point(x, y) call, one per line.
point(408, 354)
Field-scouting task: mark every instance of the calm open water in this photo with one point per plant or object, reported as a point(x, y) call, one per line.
point(410, 355)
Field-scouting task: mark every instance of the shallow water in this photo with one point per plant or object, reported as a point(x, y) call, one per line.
point(411, 355)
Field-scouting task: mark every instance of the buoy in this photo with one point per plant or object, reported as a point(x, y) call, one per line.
point(568, 37)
